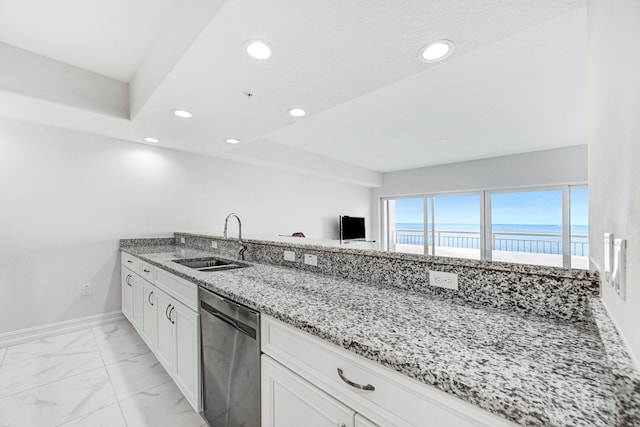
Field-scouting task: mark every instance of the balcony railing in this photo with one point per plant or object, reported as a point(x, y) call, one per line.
point(541, 243)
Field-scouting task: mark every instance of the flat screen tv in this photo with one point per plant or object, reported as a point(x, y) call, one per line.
point(351, 228)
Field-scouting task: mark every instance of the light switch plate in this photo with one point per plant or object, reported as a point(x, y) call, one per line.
point(608, 257)
point(214, 244)
point(619, 272)
point(311, 260)
point(289, 256)
point(443, 280)
point(182, 240)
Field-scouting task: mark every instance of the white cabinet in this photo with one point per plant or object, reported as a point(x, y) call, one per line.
point(165, 323)
point(186, 325)
point(127, 293)
point(137, 304)
point(290, 401)
point(165, 339)
point(149, 330)
point(178, 345)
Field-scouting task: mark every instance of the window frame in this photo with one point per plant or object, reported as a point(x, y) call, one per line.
point(486, 244)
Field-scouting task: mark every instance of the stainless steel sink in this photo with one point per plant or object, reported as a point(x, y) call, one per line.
point(210, 264)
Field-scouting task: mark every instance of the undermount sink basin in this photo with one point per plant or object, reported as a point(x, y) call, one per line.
point(210, 264)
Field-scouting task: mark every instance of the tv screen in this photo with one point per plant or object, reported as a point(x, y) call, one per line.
point(351, 227)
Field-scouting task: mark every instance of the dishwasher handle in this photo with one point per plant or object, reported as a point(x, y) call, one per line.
point(245, 329)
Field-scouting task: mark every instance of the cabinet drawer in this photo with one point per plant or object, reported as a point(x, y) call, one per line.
point(146, 271)
point(182, 290)
point(131, 262)
point(396, 398)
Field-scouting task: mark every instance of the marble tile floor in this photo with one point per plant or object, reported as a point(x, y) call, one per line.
point(100, 377)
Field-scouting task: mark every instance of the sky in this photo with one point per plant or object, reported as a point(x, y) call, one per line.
point(533, 207)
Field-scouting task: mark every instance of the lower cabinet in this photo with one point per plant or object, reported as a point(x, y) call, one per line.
point(168, 327)
point(178, 345)
point(127, 293)
point(149, 329)
point(290, 401)
point(137, 305)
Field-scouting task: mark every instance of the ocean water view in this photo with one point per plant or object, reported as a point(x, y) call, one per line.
point(534, 238)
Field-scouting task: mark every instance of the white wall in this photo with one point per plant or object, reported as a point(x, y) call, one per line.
point(614, 148)
point(549, 167)
point(68, 197)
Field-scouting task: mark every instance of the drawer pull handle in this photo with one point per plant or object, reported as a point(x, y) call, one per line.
point(129, 261)
point(147, 271)
point(367, 387)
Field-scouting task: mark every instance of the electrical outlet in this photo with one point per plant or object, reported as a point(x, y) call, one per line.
point(443, 280)
point(289, 256)
point(85, 289)
point(214, 244)
point(311, 260)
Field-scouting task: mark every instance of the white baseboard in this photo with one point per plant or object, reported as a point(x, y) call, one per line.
point(39, 332)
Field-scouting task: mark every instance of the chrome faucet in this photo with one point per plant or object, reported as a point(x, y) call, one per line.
point(243, 247)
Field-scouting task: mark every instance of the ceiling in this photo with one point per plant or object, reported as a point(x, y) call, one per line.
point(107, 37)
point(526, 92)
point(515, 83)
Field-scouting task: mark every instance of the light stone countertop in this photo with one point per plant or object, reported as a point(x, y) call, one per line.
point(531, 370)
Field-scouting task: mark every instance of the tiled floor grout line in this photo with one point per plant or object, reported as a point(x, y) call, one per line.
point(109, 377)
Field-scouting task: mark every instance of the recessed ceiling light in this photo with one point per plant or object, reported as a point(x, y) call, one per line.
point(436, 51)
point(257, 49)
point(232, 140)
point(183, 114)
point(151, 140)
point(297, 112)
point(443, 141)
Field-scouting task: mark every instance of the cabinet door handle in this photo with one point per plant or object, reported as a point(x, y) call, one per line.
point(170, 319)
point(147, 271)
point(127, 279)
point(149, 298)
point(166, 312)
point(367, 387)
point(129, 261)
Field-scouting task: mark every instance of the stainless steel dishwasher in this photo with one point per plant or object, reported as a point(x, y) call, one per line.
point(230, 362)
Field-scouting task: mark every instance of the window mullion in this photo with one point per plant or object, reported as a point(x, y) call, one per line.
point(566, 227)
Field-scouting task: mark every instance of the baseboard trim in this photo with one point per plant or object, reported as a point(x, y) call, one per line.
point(39, 332)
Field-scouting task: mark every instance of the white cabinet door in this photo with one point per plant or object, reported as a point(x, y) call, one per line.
point(127, 293)
point(149, 331)
point(137, 304)
point(165, 343)
point(187, 336)
point(290, 401)
point(363, 422)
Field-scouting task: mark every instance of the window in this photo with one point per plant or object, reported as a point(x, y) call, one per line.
point(454, 226)
point(544, 226)
point(405, 218)
point(526, 227)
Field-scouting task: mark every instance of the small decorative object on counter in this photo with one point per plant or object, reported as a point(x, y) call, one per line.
point(298, 234)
